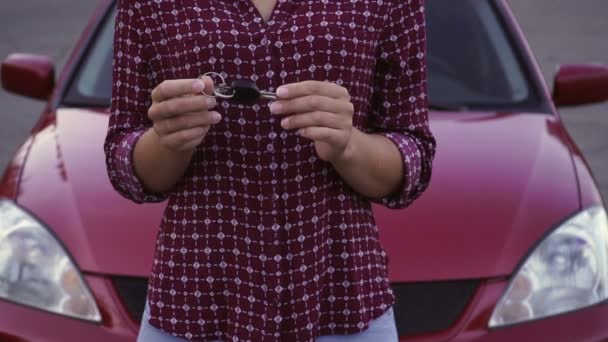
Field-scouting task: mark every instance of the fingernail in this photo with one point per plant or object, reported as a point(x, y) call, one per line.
point(299, 132)
point(285, 123)
point(216, 117)
point(211, 102)
point(198, 86)
point(276, 107)
point(282, 91)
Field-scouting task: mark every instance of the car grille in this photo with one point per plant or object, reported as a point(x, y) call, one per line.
point(133, 293)
point(428, 307)
point(420, 307)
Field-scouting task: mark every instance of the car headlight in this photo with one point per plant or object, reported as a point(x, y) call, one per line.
point(36, 271)
point(565, 272)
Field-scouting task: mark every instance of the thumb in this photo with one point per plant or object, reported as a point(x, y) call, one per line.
point(209, 85)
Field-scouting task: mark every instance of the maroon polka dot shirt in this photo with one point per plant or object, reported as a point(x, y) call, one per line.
point(261, 240)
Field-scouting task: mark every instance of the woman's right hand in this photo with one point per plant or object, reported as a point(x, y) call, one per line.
point(181, 114)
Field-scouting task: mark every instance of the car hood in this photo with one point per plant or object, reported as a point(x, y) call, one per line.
point(65, 184)
point(500, 181)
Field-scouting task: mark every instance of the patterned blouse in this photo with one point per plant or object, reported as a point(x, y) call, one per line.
point(261, 240)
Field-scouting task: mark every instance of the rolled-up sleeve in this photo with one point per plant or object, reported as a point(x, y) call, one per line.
point(131, 97)
point(399, 101)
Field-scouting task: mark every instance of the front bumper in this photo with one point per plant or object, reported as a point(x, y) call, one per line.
point(587, 324)
point(19, 323)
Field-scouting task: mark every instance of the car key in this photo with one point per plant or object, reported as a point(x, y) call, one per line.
point(242, 91)
point(246, 92)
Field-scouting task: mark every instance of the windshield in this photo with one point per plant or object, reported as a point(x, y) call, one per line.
point(470, 61)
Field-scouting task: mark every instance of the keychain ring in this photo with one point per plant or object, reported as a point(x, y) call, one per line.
point(222, 84)
point(220, 94)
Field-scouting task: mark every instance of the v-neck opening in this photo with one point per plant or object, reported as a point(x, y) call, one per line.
point(259, 14)
point(276, 16)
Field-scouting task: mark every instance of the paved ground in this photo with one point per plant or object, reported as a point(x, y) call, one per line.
point(559, 31)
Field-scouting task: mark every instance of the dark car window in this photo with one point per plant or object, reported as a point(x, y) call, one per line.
point(470, 61)
point(91, 85)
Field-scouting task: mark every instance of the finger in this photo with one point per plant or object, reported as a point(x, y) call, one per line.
point(173, 88)
point(312, 87)
point(329, 135)
point(180, 105)
point(317, 118)
point(186, 121)
point(311, 103)
point(178, 140)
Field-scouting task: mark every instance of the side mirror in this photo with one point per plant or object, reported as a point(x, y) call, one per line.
point(577, 84)
point(28, 75)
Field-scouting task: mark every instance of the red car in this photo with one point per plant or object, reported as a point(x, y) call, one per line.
point(509, 242)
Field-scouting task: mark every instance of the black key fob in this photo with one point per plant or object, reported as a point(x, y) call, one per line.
point(245, 92)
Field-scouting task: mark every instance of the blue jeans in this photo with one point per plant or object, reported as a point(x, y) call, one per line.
point(381, 329)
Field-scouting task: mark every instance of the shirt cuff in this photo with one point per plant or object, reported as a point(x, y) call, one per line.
point(411, 161)
point(122, 174)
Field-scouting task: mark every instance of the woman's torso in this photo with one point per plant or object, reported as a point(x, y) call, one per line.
point(262, 239)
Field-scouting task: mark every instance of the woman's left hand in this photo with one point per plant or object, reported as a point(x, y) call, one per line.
point(320, 111)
